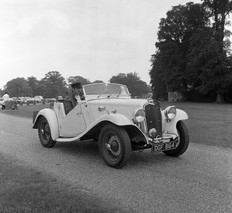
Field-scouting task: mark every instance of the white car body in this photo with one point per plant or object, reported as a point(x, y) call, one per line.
point(111, 104)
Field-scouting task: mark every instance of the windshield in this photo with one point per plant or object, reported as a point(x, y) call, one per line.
point(102, 90)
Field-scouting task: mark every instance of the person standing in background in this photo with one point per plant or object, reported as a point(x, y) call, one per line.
point(5, 98)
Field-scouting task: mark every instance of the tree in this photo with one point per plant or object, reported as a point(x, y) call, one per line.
point(208, 69)
point(18, 88)
point(54, 84)
point(33, 83)
point(136, 86)
point(174, 35)
point(215, 72)
point(158, 86)
point(219, 11)
point(79, 79)
point(192, 51)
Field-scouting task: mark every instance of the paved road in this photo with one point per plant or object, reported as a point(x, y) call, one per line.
point(199, 181)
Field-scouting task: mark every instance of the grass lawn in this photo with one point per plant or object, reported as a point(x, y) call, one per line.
point(208, 123)
point(25, 110)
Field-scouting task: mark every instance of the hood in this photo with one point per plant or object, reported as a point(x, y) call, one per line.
point(126, 107)
point(119, 102)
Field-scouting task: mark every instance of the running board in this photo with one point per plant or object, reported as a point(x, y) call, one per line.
point(67, 139)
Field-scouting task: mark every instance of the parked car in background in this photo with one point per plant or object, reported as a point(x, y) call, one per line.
point(119, 123)
point(39, 99)
point(10, 103)
point(18, 100)
point(29, 100)
point(50, 100)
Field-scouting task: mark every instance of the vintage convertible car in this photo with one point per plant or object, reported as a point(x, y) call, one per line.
point(8, 104)
point(119, 123)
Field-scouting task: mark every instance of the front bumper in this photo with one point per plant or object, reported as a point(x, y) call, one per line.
point(160, 144)
point(166, 138)
point(165, 143)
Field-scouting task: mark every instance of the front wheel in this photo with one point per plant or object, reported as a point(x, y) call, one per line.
point(114, 146)
point(183, 135)
point(44, 133)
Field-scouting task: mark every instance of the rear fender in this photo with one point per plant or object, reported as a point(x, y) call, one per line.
point(50, 115)
point(170, 126)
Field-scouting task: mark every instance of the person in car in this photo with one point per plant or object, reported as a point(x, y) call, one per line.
point(74, 95)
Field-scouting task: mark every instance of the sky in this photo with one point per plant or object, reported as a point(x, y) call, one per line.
point(95, 39)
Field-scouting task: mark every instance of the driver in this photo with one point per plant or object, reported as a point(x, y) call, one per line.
point(76, 93)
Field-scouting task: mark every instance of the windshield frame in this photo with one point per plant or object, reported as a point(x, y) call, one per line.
point(100, 92)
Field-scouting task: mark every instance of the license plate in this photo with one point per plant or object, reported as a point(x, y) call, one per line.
point(163, 146)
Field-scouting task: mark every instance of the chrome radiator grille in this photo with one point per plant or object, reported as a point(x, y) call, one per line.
point(153, 117)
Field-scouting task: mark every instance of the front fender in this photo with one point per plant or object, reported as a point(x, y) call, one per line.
point(97, 125)
point(117, 119)
point(170, 126)
point(50, 115)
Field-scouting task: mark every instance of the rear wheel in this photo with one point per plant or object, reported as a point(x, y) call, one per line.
point(44, 133)
point(183, 140)
point(114, 145)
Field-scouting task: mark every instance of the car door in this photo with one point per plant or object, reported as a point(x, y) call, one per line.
point(73, 123)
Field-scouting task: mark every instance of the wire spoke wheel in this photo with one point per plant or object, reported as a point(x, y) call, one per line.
point(114, 145)
point(44, 133)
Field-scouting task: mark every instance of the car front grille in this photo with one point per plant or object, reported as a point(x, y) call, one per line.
point(153, 117)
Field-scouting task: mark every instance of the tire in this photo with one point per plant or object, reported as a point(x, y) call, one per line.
point(114, 146)
point(184, 140)
point(44, 133)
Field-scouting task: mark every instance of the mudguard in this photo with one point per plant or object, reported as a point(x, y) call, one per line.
point(50, 115)
point(117, 119)
point(170, 127)
point(114, 118)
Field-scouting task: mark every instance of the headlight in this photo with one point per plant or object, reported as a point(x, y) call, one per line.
point(170, 112)
point(139, 116)
point(152, 132)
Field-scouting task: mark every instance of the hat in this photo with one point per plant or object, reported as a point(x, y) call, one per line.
point(76, 85)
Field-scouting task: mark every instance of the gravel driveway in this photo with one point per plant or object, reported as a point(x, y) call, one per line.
point(198, 181)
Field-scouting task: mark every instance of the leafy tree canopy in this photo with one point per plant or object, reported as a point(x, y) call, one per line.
point(136, 86)
point(33, 83)
point(191, 51)
point(173, 45)
point(54, 83)
point(18, 87)
point(82, 80)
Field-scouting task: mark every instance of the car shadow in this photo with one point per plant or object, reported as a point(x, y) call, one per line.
point(88, 150)
point(147, 157)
